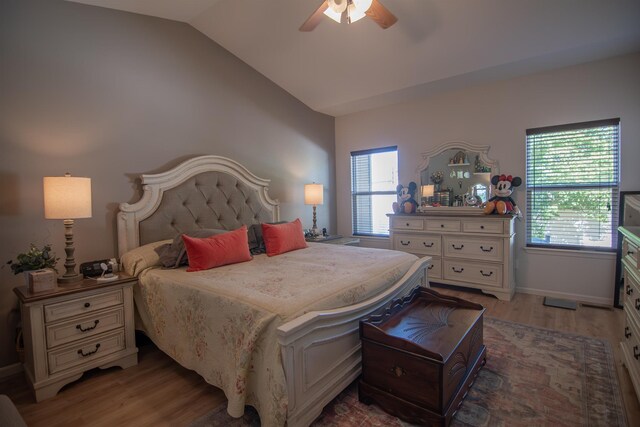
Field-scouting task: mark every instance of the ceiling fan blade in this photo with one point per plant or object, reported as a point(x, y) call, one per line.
point(381, 15)
point(315, 18)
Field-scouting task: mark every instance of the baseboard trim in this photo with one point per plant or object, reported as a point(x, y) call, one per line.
point(605, 302)
point(9, 370)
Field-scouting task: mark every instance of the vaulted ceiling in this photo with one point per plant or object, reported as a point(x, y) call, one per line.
point(436, 45)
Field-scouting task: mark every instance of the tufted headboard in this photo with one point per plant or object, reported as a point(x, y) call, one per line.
point(203, 192)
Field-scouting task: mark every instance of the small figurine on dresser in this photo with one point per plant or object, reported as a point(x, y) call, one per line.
point(406, 198)
point(502, 203)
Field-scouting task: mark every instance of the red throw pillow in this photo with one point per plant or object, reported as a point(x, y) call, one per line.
point(217, 250)
point(281, 238)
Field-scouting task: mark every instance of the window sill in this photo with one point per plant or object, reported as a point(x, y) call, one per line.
point(571, 253)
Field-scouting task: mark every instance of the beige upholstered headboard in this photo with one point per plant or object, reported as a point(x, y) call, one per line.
point(203, 192)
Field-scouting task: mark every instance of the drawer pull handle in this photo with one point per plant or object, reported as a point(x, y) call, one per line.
point(454, 247)
point(398, 371)
point(403, 243)
point(630, 252)
point(88, 328)
point(430, 267)
point(637, 303)
point(457, 271)
point(486, 250)
point(407, 224)
point(627, 333)
point(482, 227)
point(636, 353)
point(83, 354)
point(486, 275)
point(629, 290)
point(87, 304)
point(441, 225)
point(430, 245)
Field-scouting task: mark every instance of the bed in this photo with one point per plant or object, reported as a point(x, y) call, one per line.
point(278, 333)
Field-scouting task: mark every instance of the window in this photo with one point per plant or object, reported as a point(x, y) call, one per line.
point(374, 177)
point(572, 185)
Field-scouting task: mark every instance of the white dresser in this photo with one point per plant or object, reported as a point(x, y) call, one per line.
point(70, 330)
point(468, 248)
point(631, 270)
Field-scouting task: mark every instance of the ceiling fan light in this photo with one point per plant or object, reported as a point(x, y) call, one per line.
point(333, 15)
point(354, 13)
point(362, 5)
point(338, 6)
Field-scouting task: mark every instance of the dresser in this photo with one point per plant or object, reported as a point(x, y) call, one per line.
point(468, 248)
point(72, 329)
point(630, 344)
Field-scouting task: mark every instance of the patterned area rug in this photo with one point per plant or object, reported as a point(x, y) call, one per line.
point(533, 376)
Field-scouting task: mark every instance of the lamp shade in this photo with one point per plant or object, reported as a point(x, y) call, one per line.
point(427, 191)
point(67, 197)
point(313, 194)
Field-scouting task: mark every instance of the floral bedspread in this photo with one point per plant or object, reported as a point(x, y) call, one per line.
point(222, 322)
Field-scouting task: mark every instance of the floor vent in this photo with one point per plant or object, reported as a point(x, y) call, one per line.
point(560, 303)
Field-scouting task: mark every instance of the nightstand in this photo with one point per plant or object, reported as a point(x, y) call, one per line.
point(69, 330)
point(335, 240)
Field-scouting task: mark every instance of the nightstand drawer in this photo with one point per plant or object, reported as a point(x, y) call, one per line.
point(86, 351)
point(428, 244)
point(85, 326)
point(80, 306)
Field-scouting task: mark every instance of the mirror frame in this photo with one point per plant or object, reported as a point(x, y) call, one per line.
point(482, 150)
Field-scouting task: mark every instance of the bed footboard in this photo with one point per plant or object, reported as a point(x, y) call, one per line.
point(321, 349)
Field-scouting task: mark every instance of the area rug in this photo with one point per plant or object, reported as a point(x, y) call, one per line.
point(533, 377)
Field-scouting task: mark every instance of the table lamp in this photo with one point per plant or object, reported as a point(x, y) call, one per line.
point(313, 195)
point(67, 198)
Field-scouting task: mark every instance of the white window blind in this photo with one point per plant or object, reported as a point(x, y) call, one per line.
point(374, 177)
point(572, 185)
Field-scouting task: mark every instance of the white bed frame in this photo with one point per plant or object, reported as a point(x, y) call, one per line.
point(321, 349)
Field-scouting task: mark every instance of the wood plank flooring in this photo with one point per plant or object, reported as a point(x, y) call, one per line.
point(159, 392)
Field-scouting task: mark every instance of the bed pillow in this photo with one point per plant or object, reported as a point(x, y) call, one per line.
point(174, 255)
point(140, 258)
point(256, 241)
point(281, 238)
point(221, 249)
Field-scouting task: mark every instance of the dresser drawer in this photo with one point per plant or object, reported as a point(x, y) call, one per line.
point(428, 244)
point(467, 247)
point(435, 269)
point(631, 253)
point(474, 272)
point(89, 304)
point(84, 326)
point(407, 223)
point(85, 351)
point(482, 226)
point(442, 225)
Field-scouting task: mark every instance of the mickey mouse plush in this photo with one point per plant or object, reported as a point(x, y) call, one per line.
point(502, 203)
point(406, 198)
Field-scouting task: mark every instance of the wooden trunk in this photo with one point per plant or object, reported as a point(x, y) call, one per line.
point(421, 356)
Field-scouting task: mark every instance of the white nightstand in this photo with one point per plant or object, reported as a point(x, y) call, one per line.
point(70, 330)
point(335, 240)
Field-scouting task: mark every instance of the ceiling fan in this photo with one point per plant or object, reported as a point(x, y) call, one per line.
point(350, 11)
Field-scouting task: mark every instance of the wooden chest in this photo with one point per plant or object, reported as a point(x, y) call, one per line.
point(421, 356)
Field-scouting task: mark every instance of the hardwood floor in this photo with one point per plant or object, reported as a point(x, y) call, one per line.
point(159, 392)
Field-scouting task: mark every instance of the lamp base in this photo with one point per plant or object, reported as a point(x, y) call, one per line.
point(69, 279)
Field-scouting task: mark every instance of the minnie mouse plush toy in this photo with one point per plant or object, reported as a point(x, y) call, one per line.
point(502, 203)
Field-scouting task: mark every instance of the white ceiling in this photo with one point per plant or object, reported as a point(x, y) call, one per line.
point(436, 45)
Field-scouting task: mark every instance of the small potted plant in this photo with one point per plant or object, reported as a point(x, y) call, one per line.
point(34, 259)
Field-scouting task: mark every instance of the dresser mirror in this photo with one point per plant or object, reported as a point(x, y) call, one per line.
point(456, 174)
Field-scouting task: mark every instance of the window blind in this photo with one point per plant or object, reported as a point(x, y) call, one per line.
point(374, 177)
point(572, 185)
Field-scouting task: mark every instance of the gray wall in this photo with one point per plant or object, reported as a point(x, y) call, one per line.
point(497, 114)
point(110, 95)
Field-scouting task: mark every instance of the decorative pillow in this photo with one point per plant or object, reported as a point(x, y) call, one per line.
point(174, 255)
point(256, 241)
point(138, 259)
point(222, 249)
point(281, 238)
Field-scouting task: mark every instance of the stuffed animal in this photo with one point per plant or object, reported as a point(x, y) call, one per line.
point(502, 203)
point(406, 198)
